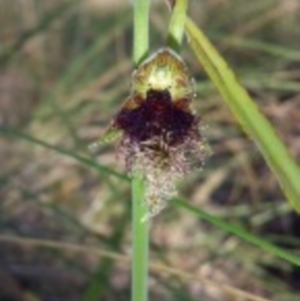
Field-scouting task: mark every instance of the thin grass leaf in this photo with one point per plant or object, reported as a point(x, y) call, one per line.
point(238, 231)
point(248, 115)
point(176, 27)
point(10, 132)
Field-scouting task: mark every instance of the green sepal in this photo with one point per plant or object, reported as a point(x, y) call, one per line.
point(110, 135)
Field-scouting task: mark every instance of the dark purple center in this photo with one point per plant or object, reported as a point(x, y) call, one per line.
point(157, 116)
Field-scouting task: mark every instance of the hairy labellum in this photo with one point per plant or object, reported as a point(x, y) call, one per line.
point(157, 116)
point(160, 134)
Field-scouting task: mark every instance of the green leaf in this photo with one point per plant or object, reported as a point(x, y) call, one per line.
point(246, 112)
point(11, 132)
point(176, 27)
point(240, 232)
point(110, 135)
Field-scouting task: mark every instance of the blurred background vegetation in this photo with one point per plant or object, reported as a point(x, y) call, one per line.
point(65, 68)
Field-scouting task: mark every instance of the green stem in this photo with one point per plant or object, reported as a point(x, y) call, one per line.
point(140, 244)
point(140, 30)
point(140, 225)
point(176, 28)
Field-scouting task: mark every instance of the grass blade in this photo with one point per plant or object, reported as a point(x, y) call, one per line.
point(176, 27)
point(248, 115)
point(84, 160)
point(238, 231)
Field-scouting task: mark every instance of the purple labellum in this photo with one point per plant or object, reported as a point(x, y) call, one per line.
point(158, 117)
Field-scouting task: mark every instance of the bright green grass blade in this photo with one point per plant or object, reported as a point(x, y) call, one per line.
point(238, 231)
point(176, 27)
point(247, 113)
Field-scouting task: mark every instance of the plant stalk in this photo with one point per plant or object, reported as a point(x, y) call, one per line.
point(140, 225)
point(140, 244)
point(140, 30)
